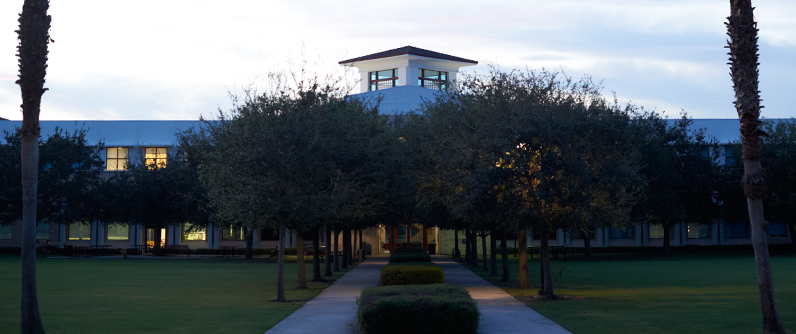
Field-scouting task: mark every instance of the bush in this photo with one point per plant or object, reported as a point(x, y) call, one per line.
point(421, 309)
point(409, 250)
point(10, 250)
point(410, 257)
point(411, 274)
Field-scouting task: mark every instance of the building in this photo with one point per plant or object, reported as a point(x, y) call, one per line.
point(403, 78)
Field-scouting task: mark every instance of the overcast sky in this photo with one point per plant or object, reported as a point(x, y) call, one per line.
point(177, 59)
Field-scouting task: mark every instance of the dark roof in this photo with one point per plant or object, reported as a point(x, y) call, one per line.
point(408, 50)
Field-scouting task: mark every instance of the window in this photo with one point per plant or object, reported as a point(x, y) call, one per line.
point(192, 233)
point(155, 157)
point(656, 231)
point(622, 232)
point(116, 158)
point(118, 232)
point(731, 154)
point(79, 231)
point(739, 229)
point(232, 233)
point(383, 79)
point(43, 231)
point(431, 79)
point(269, 234)
point(778, 229)
point(698, 231)
point(5, 232)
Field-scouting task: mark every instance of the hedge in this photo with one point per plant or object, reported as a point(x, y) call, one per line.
point(409, 250)
point(410, 257)
point(417, 309)
point(417, 273)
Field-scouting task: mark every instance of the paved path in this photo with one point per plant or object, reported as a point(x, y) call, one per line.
point(334, 309)
point(500, 312)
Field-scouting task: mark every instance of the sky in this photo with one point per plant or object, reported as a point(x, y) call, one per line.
point(179, 59)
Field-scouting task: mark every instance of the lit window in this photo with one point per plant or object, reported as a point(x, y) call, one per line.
point(431, 79)
point(43, 231)
point(738, 229)
point(155, 157)
point(191, 233)
point(79, 231)
point(118, 232)
point(698, 231)
point(622, 233)
point(382, 79)
point(232, 233)
point(116, 158)
point(5, 232)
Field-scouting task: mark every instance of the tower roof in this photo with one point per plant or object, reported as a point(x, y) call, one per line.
point(408, 50)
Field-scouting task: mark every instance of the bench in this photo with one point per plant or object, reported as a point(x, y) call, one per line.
point(178, 249)
point(555, 251)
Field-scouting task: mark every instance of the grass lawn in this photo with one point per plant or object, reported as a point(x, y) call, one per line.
point(652, 293)
point(211, 295)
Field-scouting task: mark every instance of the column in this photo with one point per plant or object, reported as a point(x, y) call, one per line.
point(721, 233)
point(638, 233)
point(62, 232)
point(714, 233)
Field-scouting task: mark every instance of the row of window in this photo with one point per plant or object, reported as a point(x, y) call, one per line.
point(432, 79)
point(118, 158)
point(699, 231)
point(78, 232)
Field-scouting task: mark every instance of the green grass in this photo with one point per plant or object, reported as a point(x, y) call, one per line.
point(213, 295)
point(651, 293)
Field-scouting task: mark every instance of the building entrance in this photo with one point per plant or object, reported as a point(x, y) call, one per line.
point(408, 235)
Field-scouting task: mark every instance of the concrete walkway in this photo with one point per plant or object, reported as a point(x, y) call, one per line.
point(334, 309)
point(500, 312)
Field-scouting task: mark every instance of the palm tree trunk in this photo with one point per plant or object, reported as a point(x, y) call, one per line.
point(504, 256)
point(302, 267)
point(33, 34)
point(280, 267)
point(522, 237)
point(742, 30)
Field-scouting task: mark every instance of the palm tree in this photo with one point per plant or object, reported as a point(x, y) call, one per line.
point(742, 30)
point(34, 36)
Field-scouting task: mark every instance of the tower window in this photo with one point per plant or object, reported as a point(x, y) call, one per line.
point(383, 79)
point(436, 80)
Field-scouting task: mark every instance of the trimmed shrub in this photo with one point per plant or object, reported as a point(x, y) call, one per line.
point(410, 257)
point(418, 309)
point(417, 273)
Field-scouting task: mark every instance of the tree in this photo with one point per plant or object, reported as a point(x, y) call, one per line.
point(681, 174)
point(34, 36)
point(779, 152)
point(742, 29)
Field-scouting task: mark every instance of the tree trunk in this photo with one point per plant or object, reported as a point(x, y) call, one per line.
point(474, 246)
point(351, 234)
point(336, 257)
point(493, 250)
point(792, 228)
point(504, 256)
point(249, 236)
point(327, 249)
point(302, 268)
point(667, 238)
point(33, 34)
point(544, 254)
point(346, 243)
point(742, 30)
point(280, 268)
point(522, 237)
point(455, 244)
point(467, 251)
point(316, 258)
point(354, 248)
point(483, 251)
point(586, 244)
